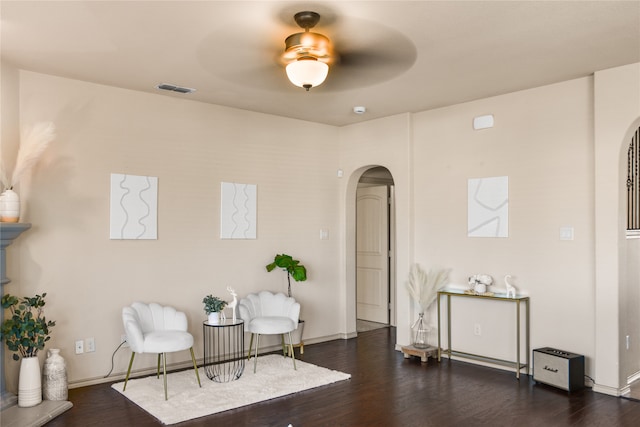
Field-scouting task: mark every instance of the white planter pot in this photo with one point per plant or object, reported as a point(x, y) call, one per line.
point(296, 334)
point(214, 318)
point(29, 382)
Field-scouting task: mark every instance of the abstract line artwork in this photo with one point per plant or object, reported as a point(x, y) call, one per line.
point(134, 207)
point(488, 207)
point(237, 211)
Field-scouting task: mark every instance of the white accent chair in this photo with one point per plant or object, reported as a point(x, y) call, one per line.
point(152, 328)
point(271, 314)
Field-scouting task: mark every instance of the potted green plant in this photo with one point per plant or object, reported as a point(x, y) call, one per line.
point(25, 332)
point(299, 273)
point(291, 266)
point(213, 306)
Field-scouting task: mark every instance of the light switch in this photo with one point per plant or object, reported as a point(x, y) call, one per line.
point(324, 234)
point(566, 233)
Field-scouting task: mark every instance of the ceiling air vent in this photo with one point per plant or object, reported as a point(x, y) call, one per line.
point(174, 88)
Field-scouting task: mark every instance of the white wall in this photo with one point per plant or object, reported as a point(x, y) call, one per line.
point(191, 147)
point(384, 142)
point(617, 112)
point(543, 140)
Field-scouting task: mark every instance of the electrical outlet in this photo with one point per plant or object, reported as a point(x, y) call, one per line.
point(79, 347)
point(123, 339)
point(477, 330)
point(90, 345)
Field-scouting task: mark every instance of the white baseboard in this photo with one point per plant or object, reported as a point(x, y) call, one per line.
point(633, 377)
point(611, 391)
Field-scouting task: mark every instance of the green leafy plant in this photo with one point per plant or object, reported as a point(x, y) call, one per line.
point(27, 330)
point(291, 266)
point(213, 304)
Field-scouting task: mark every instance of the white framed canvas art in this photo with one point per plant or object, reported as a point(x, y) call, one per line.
point(238, 211)
point(488, 207)
point(134, 207)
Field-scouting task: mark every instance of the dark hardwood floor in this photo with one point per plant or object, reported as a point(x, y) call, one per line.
point(385, 390)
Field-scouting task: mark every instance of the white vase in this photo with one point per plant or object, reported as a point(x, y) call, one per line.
point(29, 382)
point(480, 288)
point(10, 206)
point(214, 318)
point(54, 376)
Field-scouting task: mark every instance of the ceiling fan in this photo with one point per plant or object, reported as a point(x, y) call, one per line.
point(361, 53)
point(307, 54)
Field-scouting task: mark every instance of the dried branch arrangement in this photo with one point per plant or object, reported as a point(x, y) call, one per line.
point(423, 287)
point(33, 142)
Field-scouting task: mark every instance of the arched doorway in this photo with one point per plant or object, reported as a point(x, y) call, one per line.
point(375, 250)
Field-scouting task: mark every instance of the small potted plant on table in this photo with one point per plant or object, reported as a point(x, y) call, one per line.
point(213, 306)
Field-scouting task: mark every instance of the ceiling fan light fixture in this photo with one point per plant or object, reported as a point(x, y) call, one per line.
point(306, 54)
point(307, 72)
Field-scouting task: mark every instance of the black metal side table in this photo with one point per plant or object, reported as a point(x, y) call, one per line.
point(224, 350)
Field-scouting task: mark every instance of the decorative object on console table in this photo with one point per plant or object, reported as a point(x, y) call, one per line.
point(558, 368)
point(511, 290)
point(480, 282)
point(8, 233)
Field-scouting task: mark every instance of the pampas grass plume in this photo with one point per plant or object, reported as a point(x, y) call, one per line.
point(33, 142)
point(423, 287)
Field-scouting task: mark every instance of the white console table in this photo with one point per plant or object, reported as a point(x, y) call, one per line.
point(518, 301)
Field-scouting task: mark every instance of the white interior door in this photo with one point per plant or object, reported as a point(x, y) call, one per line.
point(372, 254)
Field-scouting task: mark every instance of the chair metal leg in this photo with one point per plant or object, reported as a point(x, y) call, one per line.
point(164, 374)
point(250, 345)
point(255, 360)
point(128, 371)
point(195, 366)
point(284, 350)
point(293, 355)
point(158, 370)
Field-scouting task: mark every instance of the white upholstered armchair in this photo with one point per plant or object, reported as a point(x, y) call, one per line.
point(272, 314)
point(152, 328)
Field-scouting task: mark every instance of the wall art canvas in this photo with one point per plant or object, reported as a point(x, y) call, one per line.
point(134, 207)
point(238, 211)
point(488, 207)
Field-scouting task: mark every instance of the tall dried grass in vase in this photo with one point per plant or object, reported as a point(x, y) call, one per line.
point(423, 287)
point(33, 142)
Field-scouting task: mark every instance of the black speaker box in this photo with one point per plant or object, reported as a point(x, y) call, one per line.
point(558, 368)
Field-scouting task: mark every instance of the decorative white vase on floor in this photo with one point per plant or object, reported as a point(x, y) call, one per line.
point(29, 382)
point(9, 206)
point(54, 376)
point(214, 318)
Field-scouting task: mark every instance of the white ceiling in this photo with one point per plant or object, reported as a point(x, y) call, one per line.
point(427, 54)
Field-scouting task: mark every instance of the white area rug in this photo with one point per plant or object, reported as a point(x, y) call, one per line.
point(274, 377)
